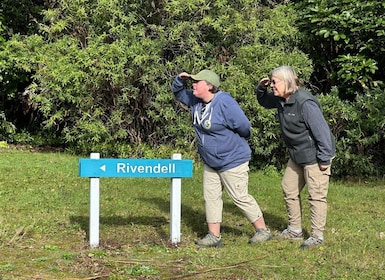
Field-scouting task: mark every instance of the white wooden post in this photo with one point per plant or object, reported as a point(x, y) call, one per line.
point(175, 205)
point(94, 207)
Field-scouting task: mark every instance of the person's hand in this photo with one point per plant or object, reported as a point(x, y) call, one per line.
point(184, 75)
point(323, 167)
point(264, 82)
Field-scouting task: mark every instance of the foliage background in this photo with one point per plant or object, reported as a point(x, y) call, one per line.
point(94, 75)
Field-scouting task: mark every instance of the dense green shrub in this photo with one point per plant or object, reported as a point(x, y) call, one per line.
point(345, 40)
point(101, 71)
point(7, 129)
point(96, 76)
point(359, 127)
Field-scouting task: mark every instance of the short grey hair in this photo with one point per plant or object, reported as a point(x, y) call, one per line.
point(288, 75)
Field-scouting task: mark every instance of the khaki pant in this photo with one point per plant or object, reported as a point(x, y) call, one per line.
point(317, 182)
point(235, 181)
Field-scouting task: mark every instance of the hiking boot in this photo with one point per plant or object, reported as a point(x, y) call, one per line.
point(210, 240)
point(289, 234)
point(312, 242)
point(260, 236)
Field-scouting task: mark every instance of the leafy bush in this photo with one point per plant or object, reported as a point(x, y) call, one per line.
point(103, 77)
point(7, 129)
point(345, 41)
point(96, 76)
point(359, 128)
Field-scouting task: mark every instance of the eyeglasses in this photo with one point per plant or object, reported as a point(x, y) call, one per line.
point(273, 82)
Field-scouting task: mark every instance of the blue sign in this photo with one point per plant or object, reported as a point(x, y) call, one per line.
point(155, 168)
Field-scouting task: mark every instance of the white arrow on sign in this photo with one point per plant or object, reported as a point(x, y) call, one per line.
point(103, 168)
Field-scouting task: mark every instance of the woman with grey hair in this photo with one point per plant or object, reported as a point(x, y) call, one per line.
point(311, 147)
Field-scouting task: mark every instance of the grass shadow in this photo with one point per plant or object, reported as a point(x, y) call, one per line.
point(272, 221)
point(118, 220)
point(192, 218)
point(275, 222)
point(196, 220)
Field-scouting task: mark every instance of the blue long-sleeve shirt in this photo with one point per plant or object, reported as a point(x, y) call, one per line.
point(222, 130)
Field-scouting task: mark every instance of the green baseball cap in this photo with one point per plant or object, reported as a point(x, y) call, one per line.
point(208, 76)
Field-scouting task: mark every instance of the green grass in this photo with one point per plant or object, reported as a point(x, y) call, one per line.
point(44, 216)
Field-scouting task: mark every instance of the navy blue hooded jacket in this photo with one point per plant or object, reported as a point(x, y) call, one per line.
point(222, 131)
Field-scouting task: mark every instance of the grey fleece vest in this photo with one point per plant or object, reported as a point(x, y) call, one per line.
point(297, 136)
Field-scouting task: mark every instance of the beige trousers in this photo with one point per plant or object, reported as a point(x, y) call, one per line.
point(235, 181)
point(317, 181)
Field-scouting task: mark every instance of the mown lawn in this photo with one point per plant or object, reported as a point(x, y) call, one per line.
point(44, 220)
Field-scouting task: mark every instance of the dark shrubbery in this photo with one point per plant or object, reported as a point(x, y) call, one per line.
point(96, 77)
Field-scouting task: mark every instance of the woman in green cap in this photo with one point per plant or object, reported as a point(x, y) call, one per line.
point(222, 130)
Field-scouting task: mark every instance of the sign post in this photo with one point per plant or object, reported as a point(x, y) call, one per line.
point(174, 168)
point(94, 207)
point(175, 205)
